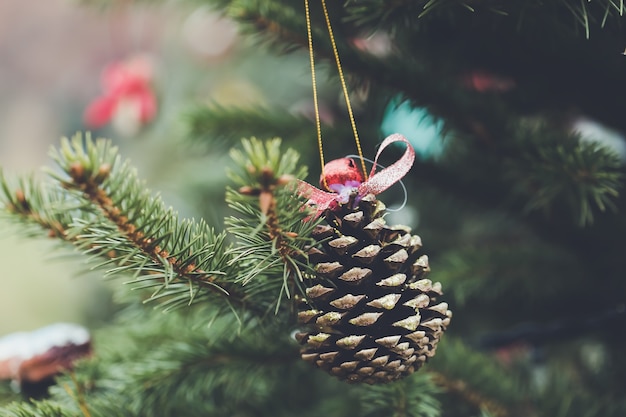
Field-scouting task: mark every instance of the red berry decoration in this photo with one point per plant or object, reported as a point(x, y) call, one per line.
point(341, 172)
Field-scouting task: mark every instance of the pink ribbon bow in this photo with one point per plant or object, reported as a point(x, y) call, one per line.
point(375, 184)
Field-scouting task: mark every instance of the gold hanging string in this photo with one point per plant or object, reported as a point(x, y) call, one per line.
point(318, 125)
point(344, 87)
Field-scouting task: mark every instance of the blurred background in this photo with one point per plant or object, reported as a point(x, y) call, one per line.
point(52, 56)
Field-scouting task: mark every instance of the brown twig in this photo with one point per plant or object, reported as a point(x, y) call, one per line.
point(21, 206)
point(79, 397)
point(92, 190)
point(267, 204)
point(459, 387)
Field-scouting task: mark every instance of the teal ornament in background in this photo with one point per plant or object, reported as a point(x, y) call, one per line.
point(417, 125)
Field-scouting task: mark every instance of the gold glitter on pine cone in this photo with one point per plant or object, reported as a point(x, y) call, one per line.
point(370, 315)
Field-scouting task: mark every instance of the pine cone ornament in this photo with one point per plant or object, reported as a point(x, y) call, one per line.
point(370, 314)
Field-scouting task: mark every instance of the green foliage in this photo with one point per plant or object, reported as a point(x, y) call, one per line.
point(35, 204)
point(224, 370)
point(100, 206)
point(554, 174)
point(478, 372)
point(129, 232)
point(411, 397)
point(218, 122)
point(565, 397)
point(577, 17)
point(126, 230)
point(261, 164)
point(473, 272)
point(38, 409)
point(275, 247)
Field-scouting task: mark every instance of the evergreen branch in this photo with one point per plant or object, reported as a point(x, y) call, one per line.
point(422, 15)
point(435, 83)
point(196, 369)
point(462, 109)
point(412, 13)
point(78, 396)
point(414, 396)
point(459, 388)
point(116, 220)
point(181, 267)
point(231, 124)
point(551, 169)
point(238, 373)
point(265, 17)
point(41, 204)
point(229, 370)
point(18, 204)
point(174, 256)
point(43, 408)
point(563, 395)
point(476, 379)
point(276, 247)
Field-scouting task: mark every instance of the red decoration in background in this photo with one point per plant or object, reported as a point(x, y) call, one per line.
point(126, 87)
point(483, 81)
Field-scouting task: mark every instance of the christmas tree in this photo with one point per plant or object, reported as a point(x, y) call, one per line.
point(504, 124)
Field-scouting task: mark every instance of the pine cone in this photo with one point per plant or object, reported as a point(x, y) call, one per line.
point(370, 313)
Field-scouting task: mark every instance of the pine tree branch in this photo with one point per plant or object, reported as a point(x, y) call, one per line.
point(414, 396)
point(459, 388)
point(78, 396)
point(144, 226)
point(115, 218)
point(550, 170)
point(18, 201)
point(277, 247)
point(569, 16)
point(38, 409)
point(222, 371)
point(462, 109)
point(105, 211)
point(430, 78)
point(477, 380)
point(91, 187)
point(208, 124)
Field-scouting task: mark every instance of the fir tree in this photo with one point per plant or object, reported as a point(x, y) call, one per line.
point(522, 217)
